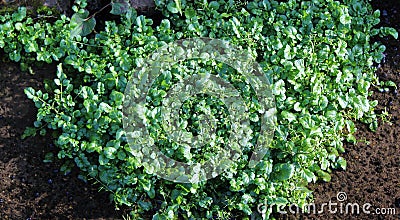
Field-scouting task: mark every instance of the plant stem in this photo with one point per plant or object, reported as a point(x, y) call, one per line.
point(44, 16)
point(94, 14)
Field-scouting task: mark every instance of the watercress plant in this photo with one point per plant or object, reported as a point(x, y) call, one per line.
point(318, 54)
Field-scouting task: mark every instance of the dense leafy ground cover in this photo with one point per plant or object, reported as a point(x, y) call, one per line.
point(321, 79)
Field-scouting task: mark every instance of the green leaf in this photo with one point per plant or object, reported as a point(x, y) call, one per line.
point(15, 56)
point(391, 84)
point(20, 15)
point(341, 163)
point(105, 107)
point(29, 132)
point(30, 92)
point(297, 107)
point(109, 152)
point(345, 19)
point(145, 205)
point(288, 116)
point(214, 5)
point(390, 31)
point(279, 87)
point(324, 175)
point(283, 171)
point(121, 155)
point(342, 102)
point(48, 158)
point(174, 7)
point(66, 167)
point(119, 6)
point(117, 97)
point(103, 160)
point(308, 175)
point(190, 13)
point(82, 24)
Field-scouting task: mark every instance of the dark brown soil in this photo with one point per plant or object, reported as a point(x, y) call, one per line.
point(31, 189)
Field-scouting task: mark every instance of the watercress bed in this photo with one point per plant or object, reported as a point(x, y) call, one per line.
point(317, 54)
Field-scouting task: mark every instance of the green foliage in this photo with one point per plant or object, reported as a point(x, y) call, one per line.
point(318, 54)
point(83, 25)
point(119, 6)
point(27, 39)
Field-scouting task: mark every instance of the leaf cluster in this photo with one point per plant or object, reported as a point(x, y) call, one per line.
point(318, 55)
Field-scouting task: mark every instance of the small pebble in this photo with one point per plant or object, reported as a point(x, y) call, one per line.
point(50, 181)
point(37, 195)
point(1, 200)
point(384, 13)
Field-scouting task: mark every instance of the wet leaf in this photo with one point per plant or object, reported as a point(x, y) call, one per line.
point(119, 7)
point(82, 24)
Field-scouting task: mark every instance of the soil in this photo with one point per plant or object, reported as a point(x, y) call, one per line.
point(32, 189)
